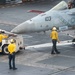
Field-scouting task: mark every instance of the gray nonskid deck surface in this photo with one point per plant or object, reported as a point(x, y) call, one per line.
point(41, 62)
point(23, 70)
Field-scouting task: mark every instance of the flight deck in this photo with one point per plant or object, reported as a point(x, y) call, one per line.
point(41, 62)
point(36, 59)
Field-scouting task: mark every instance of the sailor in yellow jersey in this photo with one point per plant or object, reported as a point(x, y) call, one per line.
point(11, 50)
point(54, 37)
point(2, 36)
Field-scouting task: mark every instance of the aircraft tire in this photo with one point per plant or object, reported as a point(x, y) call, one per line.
point(5, 49)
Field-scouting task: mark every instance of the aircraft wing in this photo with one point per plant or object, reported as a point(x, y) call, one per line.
point(60, 6)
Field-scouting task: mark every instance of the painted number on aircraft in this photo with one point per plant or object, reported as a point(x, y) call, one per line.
point(48, 18)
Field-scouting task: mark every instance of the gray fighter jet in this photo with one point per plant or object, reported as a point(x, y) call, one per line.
point(58, 17)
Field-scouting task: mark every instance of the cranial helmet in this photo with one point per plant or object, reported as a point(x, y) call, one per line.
point(12, 40)
point(54, 28)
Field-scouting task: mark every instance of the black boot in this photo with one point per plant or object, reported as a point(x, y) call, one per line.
point(14, 68)
point(58, 52)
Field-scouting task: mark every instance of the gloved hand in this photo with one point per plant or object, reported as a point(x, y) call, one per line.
point(13, 53)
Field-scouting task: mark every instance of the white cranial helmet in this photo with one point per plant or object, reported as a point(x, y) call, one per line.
point(12, 40)
point(54, 28)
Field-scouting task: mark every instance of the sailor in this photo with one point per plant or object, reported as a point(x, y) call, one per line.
point(54, 37)
point(70, 5)
point(2, 36)
point(11, 50)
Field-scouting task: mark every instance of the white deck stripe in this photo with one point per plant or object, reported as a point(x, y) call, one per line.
point(68, 42)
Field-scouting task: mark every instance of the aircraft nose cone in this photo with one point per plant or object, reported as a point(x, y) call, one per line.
point(14, 30)
point(23, 28)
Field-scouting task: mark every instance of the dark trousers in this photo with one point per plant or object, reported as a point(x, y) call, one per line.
point(0, 43)
point(54, 49)
point(12, 61)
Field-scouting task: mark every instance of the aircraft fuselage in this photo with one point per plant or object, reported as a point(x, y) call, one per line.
point(47, 20)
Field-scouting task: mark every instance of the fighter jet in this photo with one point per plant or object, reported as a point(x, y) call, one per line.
point(62, 19)
point(45, 21)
